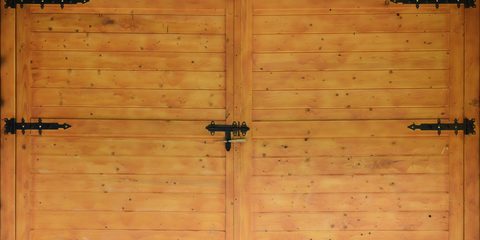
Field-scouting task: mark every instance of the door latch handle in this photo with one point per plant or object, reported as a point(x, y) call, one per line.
point(237, 129)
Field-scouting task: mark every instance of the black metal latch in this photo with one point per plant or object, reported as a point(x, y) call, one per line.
point(467, 3)
point(468, 126)
point(11, 126)
point(13, 3)
point(236, 129)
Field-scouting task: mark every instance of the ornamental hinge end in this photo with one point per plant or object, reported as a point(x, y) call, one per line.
point(466, 3)
point(468, 127)
point(42, 3)
point(11, 126)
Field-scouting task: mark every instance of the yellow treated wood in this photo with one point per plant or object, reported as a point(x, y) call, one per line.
point(7, 110)
point(351, 80)
point(129, 165)
point(128, 183)
point(351, 23)
point(353, 235)
point(128, 220)
point(352, 202)
point(129, 202)
point(124, 23)
point(126, 234)
point(306, 166)
point(351, 183)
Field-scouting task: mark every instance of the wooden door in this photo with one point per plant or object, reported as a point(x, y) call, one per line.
point(331, 87)
point(139, 84)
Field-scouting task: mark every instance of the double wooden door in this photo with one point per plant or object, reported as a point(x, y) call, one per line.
point(328, 89)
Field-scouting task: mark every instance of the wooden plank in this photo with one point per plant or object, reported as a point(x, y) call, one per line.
point(128, 183)
point(167, 4)
point(409, 221)
point(128, 98)
point(23, 145)
point(84, 146)
point(349, 165)
point(311, 129)
point(354, 202)
point(472, 110)
point(128, 61)
point(351, 23)
point(457, 82)
point(129, 202)
point(230, 78)
point(243, 222)
point(126, 23)
point(350, 61)
point(350, 42)
point(128, 79)
point(353, 235)
point(350, 98)
point(133, 128)
point(288, 4)
point(351, 80)
point(128, 220)
point(129, 165)
point(128, 42)
point(7, 110)
point(423, 146)
point(126, 234)
point(351, 183)
point(385, 113)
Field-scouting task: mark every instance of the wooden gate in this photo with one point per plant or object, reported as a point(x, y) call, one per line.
point(327, 87)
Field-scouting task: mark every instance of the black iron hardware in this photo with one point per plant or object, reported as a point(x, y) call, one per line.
point(468, 126)
point(11, 126)
point(236, 129)
point(467, 3)
point(42, 3)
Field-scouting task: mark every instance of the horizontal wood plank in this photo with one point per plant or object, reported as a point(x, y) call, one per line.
point(371, 113)
point(135, 61)
point(350, 98)
point(129, 165)
point(128, 79)
point(85, 146)
point(125, 234)
point(350, 23)
point(127, 23)
point(145, 113)
point(128, 221)
point(129, 202)
point(349, 165)
point(352, 235)
point(350, 183)
point(350, 42)
point(350, 61)
point(421, 146)
point(127, 42)
point(351, 202)
point(407, 221)
point(127, 183)
point(386, 79)
point(128, 98)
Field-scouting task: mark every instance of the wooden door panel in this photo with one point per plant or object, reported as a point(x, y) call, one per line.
point(138, 85)
point(334, 87)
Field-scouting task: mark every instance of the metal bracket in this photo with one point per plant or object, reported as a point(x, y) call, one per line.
point(236, 129)
point(466, 3)
point(11, 126)
point(42, 3)
point(468, 127)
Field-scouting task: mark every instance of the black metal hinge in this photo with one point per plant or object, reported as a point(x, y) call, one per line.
point(42, 3)
point(466, 3)
point(11, 126)
point(468, 126)
point(236, 129)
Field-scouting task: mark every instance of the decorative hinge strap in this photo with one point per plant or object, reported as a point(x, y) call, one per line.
point(468, 126)
point(466, 3)
point(42, 3)
point(11, 126)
